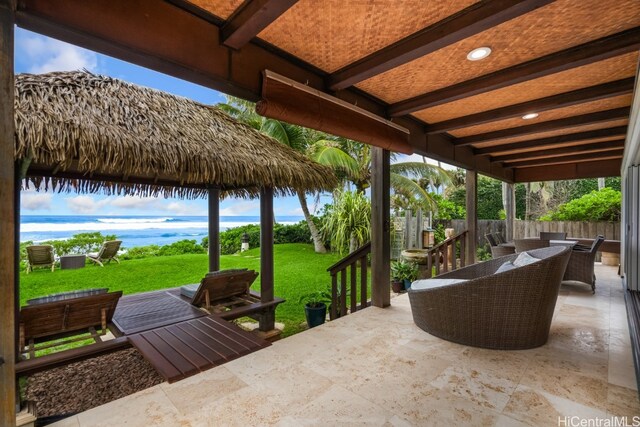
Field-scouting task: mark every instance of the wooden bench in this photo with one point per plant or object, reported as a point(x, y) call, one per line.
point(42, 323)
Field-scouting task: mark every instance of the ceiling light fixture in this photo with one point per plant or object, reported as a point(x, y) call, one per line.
point(479, 53)
point(530, 116)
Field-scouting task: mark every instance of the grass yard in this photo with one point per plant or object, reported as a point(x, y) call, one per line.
point(298, 270)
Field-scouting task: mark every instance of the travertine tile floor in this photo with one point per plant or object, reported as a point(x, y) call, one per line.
point(376, 367)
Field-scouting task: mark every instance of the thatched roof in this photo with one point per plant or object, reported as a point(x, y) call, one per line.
point(86, 133)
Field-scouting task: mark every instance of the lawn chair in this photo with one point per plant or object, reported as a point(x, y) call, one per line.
point(65, 318)
point(107, 253)
point(40, 256)
point(228, 293)
point(552, 235)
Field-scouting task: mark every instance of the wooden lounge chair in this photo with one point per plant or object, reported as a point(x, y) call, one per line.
point(581, 263)
point(40, 256)
point(549, 235)
point(510, 310)
point(228, 293)
point(108, 252)
point(65, 318)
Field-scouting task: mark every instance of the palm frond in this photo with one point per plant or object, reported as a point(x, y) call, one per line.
point(409, 188)
point(325, 153)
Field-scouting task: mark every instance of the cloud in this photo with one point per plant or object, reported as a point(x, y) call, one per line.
point(31, 200)
point(85, 204)
point(44, 54)
point(240, 208)
point(180, 208)
point(135, 202)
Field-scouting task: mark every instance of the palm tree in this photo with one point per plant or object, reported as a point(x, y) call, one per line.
point(352, 162)
point(294, 136)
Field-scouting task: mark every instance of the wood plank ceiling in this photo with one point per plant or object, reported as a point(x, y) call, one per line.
point(572, 62)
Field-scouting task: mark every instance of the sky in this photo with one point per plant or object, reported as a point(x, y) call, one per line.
point(35, 53)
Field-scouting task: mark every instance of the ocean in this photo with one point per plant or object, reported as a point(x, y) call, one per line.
point(132, 230)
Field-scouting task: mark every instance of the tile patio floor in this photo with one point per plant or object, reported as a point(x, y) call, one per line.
point(376, 367)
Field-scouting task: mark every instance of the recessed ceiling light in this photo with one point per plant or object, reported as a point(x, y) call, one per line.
point(479, 53)
point(530, 116)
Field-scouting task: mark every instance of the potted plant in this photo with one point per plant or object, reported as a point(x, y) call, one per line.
point(404, 271)
point(315, 309)
point(397, 281)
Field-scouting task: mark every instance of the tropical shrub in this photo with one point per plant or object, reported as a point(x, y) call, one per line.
point(181, 247)
point(79, 243)
point(602, 205)
point(447, 209)
point(138, 252)
point(347, 223)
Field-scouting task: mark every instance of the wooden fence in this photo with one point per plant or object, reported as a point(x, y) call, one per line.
point(522, 229)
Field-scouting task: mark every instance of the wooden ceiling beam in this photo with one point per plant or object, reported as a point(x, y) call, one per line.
point(602, 155)
point(550, 152)
point(577, 56)
point(589, 169)
point(553, 140)
point(250, 19)
point(566, 99)
point(464, 24)
point(551, 125)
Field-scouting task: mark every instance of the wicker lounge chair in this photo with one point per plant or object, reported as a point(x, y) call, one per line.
point(108, 252)
point(40, 256)
point(499, 238)
point(492, 241)
point(548, 235)
point(509, 310)
point(523, 245)
point(580, 267)
point(500, 251)
point(51, 320)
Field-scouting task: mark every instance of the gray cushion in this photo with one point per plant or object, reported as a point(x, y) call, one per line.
point(434, 283)
point(189, 290)
point(505, 267)
point(524, 259)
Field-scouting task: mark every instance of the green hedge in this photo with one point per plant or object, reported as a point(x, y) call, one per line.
point(603, 205)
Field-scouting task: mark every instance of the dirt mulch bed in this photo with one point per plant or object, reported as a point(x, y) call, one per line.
point(84, 385)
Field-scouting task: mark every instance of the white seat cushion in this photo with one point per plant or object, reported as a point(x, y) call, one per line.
point(434, 283)
point(524, 259)
point(189, 290)
point(505, 267)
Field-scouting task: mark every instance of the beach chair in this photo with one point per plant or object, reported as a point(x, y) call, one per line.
point(64, 317)
point(107, 253)
point(40, 256)
point(228, 293)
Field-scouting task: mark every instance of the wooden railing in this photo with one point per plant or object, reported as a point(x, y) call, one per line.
point(349, 264)
point(445, 256)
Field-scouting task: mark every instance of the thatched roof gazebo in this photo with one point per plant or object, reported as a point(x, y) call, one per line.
point(85, 132)
point(76, 131)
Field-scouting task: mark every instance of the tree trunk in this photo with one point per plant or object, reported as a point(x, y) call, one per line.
point(318, 244)
point(601, 183)
point(353, 243)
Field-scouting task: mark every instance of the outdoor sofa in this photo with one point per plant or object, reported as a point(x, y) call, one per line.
point(509, 310)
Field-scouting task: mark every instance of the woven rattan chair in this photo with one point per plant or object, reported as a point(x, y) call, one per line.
point(509, 311)
point(108, 252)
point(523, 245)
point(549, 235)
point(40, 256)
point(491, 240)
point(500, 251)
point(580, 267)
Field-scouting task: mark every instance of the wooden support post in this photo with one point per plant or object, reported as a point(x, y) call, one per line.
point(8, 259)
point(214, 229)
point(267, 320)
point(509, 202)
point(471, 181)
point(380, 228)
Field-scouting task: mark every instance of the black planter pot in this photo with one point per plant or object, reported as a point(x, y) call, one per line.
point(315, 315)
point(397, 286)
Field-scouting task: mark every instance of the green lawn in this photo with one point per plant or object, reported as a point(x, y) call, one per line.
point(298, 270)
